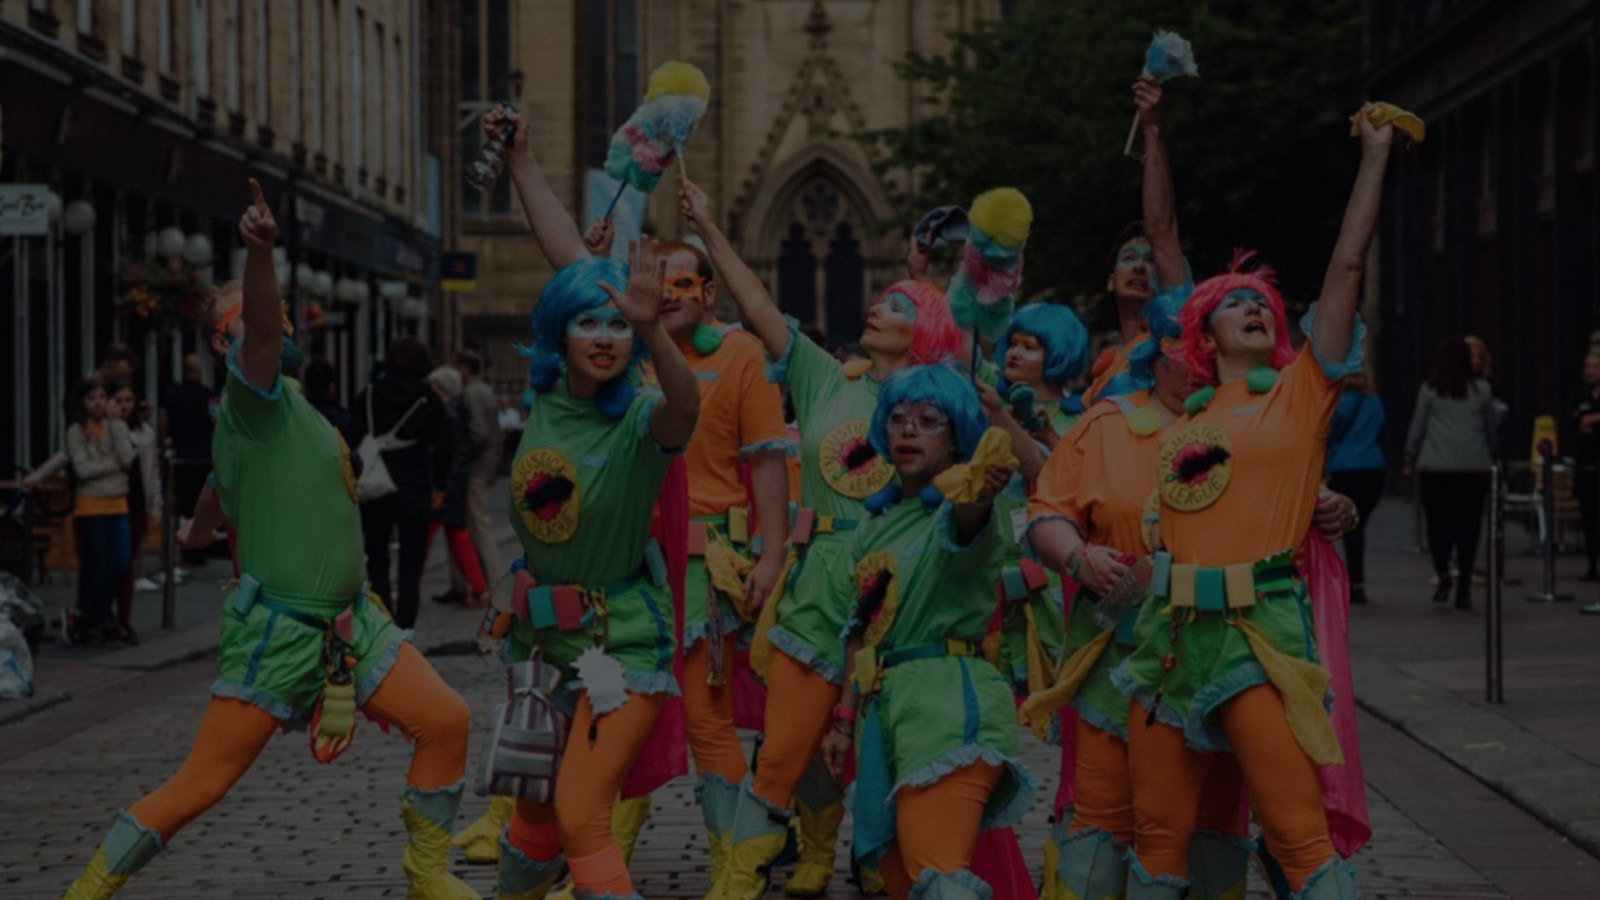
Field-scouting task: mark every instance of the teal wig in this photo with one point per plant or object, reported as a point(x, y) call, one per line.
point(1059, 331)
point(946, 389)
point(573, 290)
point(1161, 318)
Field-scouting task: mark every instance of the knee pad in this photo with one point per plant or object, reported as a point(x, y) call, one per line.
point(1091, 865)
point(961, 884)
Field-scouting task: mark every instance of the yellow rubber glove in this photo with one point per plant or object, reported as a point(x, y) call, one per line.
point(963, 482)
point(1381, 114)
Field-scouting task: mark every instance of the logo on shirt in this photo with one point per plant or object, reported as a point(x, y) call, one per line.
point(1195, 466)
point(849, 464)
point(544, 490)
point(877, 593)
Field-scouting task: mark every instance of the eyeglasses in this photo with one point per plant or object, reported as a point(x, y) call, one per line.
point(918, 419)
point(607, 323)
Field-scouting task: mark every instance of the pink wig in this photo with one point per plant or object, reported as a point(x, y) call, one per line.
point(1207, 296)
point(934, 335)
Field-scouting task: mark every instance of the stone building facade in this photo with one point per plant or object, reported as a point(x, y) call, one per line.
point(791, 80)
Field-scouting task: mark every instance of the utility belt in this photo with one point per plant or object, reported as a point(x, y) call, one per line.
point(733, 525)
point(1219, 589)
point(333, 617)
point(870, 664)
point(805, 524)
point(1019, 580)
point(568, 607)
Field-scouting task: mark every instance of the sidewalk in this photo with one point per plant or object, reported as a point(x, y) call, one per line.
point(1420, 667)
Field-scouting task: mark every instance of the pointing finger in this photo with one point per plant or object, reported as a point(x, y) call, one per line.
point(260, 199)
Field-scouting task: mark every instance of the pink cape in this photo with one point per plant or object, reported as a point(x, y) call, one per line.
point(665, 754)
point(1344, 791)
point(998, 860)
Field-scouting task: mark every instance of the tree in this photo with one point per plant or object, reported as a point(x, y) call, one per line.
point(1042, 99)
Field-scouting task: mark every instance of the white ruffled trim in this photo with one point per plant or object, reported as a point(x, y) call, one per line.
point(271, 395)
point(804, 654)
point(778, 369)
point(1352, 362)
point(1009, 812)
point(789, 448)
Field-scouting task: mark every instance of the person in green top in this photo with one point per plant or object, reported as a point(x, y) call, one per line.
point(798, 636)
point(300, 619)
point(937, 757)
point(1038, 357)
point(584, 484)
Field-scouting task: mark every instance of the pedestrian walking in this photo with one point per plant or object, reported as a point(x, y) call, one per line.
point(483, 455)
point(1355, 468)
point(408, 420)
point(101, 453)
point(1449, 448)
point(451, 512)
point(144, 500)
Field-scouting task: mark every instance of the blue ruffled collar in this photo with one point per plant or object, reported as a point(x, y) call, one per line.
point(884, 500)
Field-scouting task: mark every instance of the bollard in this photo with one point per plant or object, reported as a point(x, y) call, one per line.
point(1547, 496)
point(169, 540)
point(1494, 647)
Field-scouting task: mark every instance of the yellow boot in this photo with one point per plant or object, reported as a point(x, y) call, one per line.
point(127, 847)
point(819, 836)
point(480, 841)
point(718, 799)
point(429, 815)
point(627, 820)
point(872, 882)
point(759, 833)
point(522, 878)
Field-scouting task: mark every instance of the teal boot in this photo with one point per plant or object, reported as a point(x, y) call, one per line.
point(1091, 864)
point(717, 799)
point(758, 836)
point(958, 885)
point(1336, 880)
point(430, 816)
point(522, 878)
point(1219, 866)
point(125, 850)
point(1144, 886)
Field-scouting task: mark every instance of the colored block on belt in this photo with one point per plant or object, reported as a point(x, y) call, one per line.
point(697, 539)
point(541, 607)
point(1182, 589)
point(739, 525)
point(1161, 574)
point(521, 584)
point(567, 606)
point(1208, 590)
point(1241, 584)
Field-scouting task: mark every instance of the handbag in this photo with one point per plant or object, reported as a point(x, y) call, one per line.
point(523, 754)
point(375, 482)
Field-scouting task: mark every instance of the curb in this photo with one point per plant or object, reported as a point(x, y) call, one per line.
point(180, 646)
point(16, 710)
point(1550, 784)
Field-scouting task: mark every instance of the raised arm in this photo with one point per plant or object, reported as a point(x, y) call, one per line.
point(1160, 200)
point(262, 315)
point(1336, 308)
point(673, 420)
point(552, 225)
point(1030, 459)
point(761, 315)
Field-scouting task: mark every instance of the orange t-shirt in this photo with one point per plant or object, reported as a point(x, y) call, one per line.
point(1101, 478)
point(741, 412)
point(1239, 480)
point(1119, 364)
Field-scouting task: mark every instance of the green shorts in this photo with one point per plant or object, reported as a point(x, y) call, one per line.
point(271, 659)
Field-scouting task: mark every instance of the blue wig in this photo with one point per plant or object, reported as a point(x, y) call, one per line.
point(1161, 318)
point(574, 289)
point(942, 386)
point(1058, 330)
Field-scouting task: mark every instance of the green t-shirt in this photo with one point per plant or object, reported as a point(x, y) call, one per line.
point(838, 467)
point(284, 480)
point(597, 481)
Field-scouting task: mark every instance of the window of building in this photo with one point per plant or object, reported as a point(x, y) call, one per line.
point(262, 48)
point(313, 106)
point(164, 27)
point(486, 30)
point(380, 102)
point(296, 134)
point(199, 44)
point(358, 109)
point(233, 40)
point(130, 28)
point(609, 62)
point(86, 16)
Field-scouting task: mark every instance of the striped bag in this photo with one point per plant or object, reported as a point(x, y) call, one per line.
point(523, 752)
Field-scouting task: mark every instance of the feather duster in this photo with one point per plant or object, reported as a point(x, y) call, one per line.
point(647, 144)
point(1168, 56)
point(980, 293)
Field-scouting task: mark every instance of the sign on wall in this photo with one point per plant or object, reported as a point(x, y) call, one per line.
point(23, 209)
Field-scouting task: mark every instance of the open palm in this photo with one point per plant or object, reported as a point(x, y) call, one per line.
point(640, 303)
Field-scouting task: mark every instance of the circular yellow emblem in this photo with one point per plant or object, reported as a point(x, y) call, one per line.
point(544, 490)
point(349, 470)
point(1195, 466)
point(849, 464)
point(878, 579)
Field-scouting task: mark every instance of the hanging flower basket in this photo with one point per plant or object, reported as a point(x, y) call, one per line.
point(161, 294)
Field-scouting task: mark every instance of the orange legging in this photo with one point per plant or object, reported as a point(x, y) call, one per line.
point(1105, 789)
point(232, 734)
point(1169, 779)
point(579, 821)
point(937, 826)
point(799, 709)
point(713, 738)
